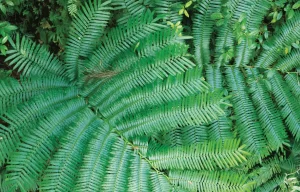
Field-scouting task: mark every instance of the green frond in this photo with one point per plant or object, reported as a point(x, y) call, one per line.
point(170, 61)
point(30, 158)
point(224, 43)
point(94, 167)
point(288, 62)
point(272, 185)
point(211, 181)
point(168, 8)
point(293, 81)
point(248, 127)
point(87, 27)
point(32, 59)
point(213, 77)
point(192, 110)
point(267, 112)
point(289, 32)
point(181, 136)
point(265, 171)
point(129, 9)
point(220, 129)
point(25, 117)
point(120, 39)
point(209, 155)
point(156, 93)
point(288, 104)
point(203, 26)
point(14, 92)
point(61, 171)
point(256, 12)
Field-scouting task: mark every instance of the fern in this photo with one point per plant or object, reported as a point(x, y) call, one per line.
point(131, 107)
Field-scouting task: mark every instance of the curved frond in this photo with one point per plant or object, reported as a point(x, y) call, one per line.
point(209, 155)
point(288, 34)
point(247, 125)
point(289, 107)
point(211, 181)
point(202, 29)
point(267, 112)
point(293, 81)
point(14, 92)
point(192, 110)
point(288, 62)
point(60, 174)
point(28, 162)
point(32, 59)
point(87, 27)
point(25, 117)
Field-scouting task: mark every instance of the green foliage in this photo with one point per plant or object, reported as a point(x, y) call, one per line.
point(135, 105)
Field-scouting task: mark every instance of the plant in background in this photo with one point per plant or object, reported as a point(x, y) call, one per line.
point(132, 107)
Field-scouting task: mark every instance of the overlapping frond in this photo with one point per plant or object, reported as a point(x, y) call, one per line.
point(209, 155)
point(87, 27)
point(61, 173)
point(247, 124)
point(156, 93)
point(25, 117)
point(293, 81)
point(192, 110)
point(268, 115)
point(211, 181)
point(14, 92)
point(30, 158)
point(122, 38)
point(169, 61)
point(288, 34)
point(32, 59)
point(202, 29)
point(255, 14)
point(288, 62)
point(288, 104)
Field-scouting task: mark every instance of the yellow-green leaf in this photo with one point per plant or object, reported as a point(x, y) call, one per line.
point(189, 3)
point(181, 11)
point(186, 13)
point(296, 5)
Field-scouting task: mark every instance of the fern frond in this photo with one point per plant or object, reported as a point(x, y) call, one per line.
point(288, 34)
point(209, 155)
point(272, 185)
point(170, 61)
point(121, 39)
point(87, 27)
point(255, 15)
point(129, 8)
point(180, 136)
point(289, 107)
point(14, 92)
point(156, 93)
point(211, 181)
point(192, 110)
point(266, 171)
point(293, 81)
point(168, 8)
point(61, 172)
point(28, 162)
point(267, 112)
point(288, 62)
point(202, 29)
point(220, 129)
point(32, 59)
point(214, 77)
point(26, 116)
point(248, 127)
point(94, 167)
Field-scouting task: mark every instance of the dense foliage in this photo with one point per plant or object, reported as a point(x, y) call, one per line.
point(152, 95)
